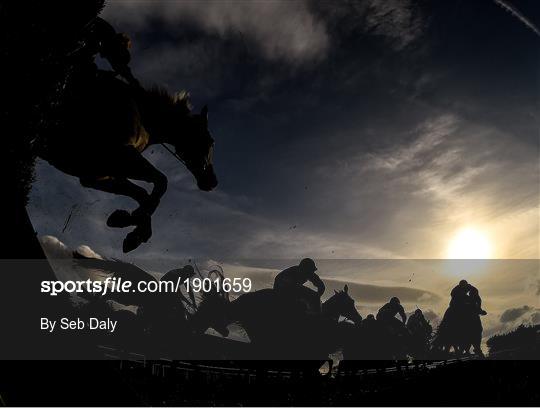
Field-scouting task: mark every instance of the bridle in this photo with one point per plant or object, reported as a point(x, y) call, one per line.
point(183, 161)
point(173, 153)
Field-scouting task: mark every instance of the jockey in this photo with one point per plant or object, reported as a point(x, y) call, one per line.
point(459, 294)
point(417, 323)
point(181, 275)
point(101, 38)
point(464, 295)
point(387, 313)
point(291, 282)
point(369, 323)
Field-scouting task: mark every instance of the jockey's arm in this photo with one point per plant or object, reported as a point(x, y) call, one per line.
point(115, 48)
point(317, 282)
point(476, 295)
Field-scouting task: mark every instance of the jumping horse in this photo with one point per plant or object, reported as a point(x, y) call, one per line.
point(103, 133)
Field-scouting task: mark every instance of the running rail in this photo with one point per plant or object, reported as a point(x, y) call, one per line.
point(162, 366)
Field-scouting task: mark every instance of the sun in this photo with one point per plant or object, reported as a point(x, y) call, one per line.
point(469, 243)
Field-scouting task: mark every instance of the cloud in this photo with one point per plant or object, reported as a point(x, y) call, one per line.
point(398, 20)
point(360, 292)
point(373, 294)
point(513, 314)
point(398, 23)
point(493, 328)
point(55, 249)
point(419, 152)
point(61, 259)
point(281, 30)
point(451, 168)
point(87, 251)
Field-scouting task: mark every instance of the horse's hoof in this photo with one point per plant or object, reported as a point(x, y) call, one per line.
point(131, 242)
point(120, 218)
point(144, 231)
point(134, 239)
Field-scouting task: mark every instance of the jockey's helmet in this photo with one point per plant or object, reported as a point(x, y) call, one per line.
point(307, 264)
point(188, 270)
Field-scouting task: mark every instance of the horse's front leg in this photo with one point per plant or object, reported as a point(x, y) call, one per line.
point(136, 167)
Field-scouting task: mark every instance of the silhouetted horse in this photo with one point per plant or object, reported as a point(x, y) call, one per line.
point(460, 329)
point(421, 333)
point(419, 343)
point(372, 340)
point(277, 328)
point(103, 133)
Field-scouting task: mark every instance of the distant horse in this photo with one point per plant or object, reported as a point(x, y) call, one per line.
point(460, 329)
point(103, 132)
point(276, 327)
point(372, 340)
point(421, 333)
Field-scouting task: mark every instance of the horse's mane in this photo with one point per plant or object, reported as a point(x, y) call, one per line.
point(161, 100)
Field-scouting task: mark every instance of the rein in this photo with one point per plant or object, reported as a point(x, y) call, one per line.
point(182, 161)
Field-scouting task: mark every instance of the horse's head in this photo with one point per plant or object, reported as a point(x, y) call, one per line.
point(342, 304)
point(195, 148)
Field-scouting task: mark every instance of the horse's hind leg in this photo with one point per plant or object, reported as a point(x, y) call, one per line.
point(119, 186)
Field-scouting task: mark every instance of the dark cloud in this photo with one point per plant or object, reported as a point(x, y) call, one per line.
point(279, 30)
point(398, 20)
point(513, 314)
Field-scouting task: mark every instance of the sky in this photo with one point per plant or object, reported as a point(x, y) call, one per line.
point(357, 130)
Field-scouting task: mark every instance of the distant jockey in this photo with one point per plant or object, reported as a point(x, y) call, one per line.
point(465, 295)
point(290, 282)
point(387, 315)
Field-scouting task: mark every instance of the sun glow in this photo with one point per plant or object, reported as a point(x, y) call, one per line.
point(469, 243)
